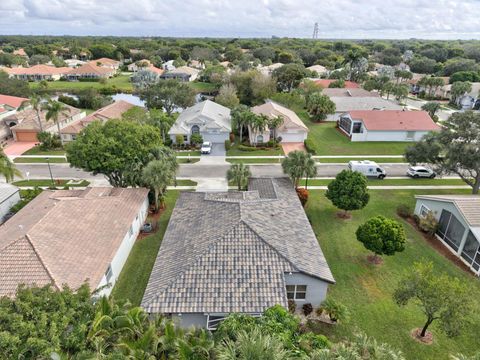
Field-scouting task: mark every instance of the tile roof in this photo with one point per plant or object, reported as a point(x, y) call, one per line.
point(105, 62)
point(326, 82)
point(319, 69)
point(344, 104)
point(66, 236)
point(90, 68)
point(290, 118)
point(40, 69)
point(395, 120)
point(228, 252)
point(27, 119)
point(12, 101)
point(184, 70)
point(343, 92)
point(468, 205)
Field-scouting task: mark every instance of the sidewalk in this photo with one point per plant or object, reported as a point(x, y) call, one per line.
point(402, 187)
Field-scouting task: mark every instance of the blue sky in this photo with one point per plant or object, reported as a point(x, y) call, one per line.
point(433, 19)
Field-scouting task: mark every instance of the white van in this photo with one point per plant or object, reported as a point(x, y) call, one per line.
point(367, 168)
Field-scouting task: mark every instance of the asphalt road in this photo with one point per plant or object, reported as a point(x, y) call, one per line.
point(39, 171)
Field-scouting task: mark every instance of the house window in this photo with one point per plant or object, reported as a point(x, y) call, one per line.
point(260, 139)
point(470, 248)
point(74, 137)
point(410, 135)
point(424, 211)
point(357, 128)
point(130, 230)
point(195, 129)
point(109, 273)
point(185, 138)
point(450, 229)
point(296, 292)
point(345, 124)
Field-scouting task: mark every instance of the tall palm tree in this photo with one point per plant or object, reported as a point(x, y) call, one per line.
point(7, 168)
point(161, 120)
point(35, 102)
point(239, 174)
point(257, 124)
point(299, 164)
point(241, 116)
point(55, 109)
point(273, 124)
point(167, 154)
point(157, 175)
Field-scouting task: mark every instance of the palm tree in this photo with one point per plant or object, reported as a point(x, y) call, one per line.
point(257, 124)
point(274, 123)
point(54, 110)
point(241, 116)
point(157, 175)
point(7, 168)
point(167, 154)
point(239, 174)
point(35, 102)
point(299, 164)
point(161, 120)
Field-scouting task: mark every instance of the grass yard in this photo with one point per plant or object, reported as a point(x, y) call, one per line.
point(121, 83)
point(200, 87)
point(32, 160)
point(390, 182)
point(187, 153)
point(47, 182)
point(37, 151)
point(136, 272)
point(254, 161)
point(234, 151)
point(187, 161)
point(367, 289)
point(372, 158)
point(186, 182)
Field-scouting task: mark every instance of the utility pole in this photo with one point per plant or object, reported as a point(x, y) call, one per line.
point(315, 31)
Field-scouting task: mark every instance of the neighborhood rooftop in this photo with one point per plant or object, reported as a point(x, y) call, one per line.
point(395, 120)
point(229, 252)
point(344, 104)
point(272, 109)
point(352, 92)
point(468, 205)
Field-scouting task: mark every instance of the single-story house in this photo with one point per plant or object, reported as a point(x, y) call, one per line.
point(111, 111)
point(236, 252)
point(350, 103)
point(386, 125)
point(38, 72)
point(182, 73)
point(292, 129)
point(207, 118)
point(8, 107)
point(27, 127)
point(71, 237)
point(106, 62)
point(467, 101)
point(196, 64)
point(73, 63)
point(90, 71)
point(168, 65)
point(459, 224)
point(20, 52)
point(325, 83)
point(269, 69)
point(9, 196)
point(319, 69)
point(140, 64)
point(351, 92)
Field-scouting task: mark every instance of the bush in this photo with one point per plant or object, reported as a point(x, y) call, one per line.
point(310, 341)
point(404, 211)
point(303, 196)
point(307, 309)
point(196, 139)
point(428, 224)
point(228, 145)
point(310, 146)
point(179, 140)
point(335, 310)
point(27, 196)
point(68, 100)
point(292, 306)
point(246, 148)
point(49, 141)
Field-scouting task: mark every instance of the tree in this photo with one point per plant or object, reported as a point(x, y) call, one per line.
point(289, 76)
point(257, 124)
point(401, 91)
point(54, 111)
point(348, 191)
point(470, 76)
point(196, 139)
point(422, 65)
point(382, 236)
point(263, 87)
point(454, 149)
point(35, 102)
point(458, 89)
point(337, 84)
point(239, 174)
point(116, 149)
point(13, 87)
point(241, 117)
point(157, 175)
point(319, 106)
point(7, 168)
point(136, 114)
point(160, 120)
point(439, 296)
point(168, 95)
point(402, 75)
point(356, 61)
point(299, 164)
point(273, 123)
point(431, 107)
point(227, 96)
point(452, 66)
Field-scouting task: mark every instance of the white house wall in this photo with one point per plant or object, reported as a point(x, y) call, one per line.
point(316, 288)
point(188, 320)
point(387, 136)
point(123, 251)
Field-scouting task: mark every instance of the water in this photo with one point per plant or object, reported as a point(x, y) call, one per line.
point(132, 99)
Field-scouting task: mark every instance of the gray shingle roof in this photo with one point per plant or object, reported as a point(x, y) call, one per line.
point(228, 252)
point(344, 104)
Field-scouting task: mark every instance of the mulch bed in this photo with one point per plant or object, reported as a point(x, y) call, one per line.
point(376, 260)
point(343, 216)
point(427, 339)
point(153, 219)
point(441, 248)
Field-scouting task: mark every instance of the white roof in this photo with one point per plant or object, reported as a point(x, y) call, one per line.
point(207, 114)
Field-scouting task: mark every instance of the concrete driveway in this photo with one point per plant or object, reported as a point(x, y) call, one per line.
point(293, 146)
point(18, 148)
point(218, 149)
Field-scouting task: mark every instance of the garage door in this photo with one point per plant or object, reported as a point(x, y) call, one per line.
point(292, 137)
point(215, 138)
point(26, 136)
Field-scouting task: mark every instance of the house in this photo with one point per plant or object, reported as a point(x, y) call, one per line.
point(352, 92)
point(26, 126)
point(351, 103)
point(236, 252)
point(38, 72)
point(386, 125)
point(459, 224)
point(146, 75)
point(325, 83)
point(467, 101)
point(71, 237)
point(20, 52)
point(107, 63)
point(196, 64)
point(90, 71)
point(8, 107)
point(292, 129)
point(207, 118)
point(318, 69)
point(182, 73)
point(140, 64)
point(112, 111)
point(269, 69)
point(9, 196)
point(73, 63)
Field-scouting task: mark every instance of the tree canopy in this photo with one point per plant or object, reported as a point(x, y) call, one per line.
point(348, 191)
point(168, 95)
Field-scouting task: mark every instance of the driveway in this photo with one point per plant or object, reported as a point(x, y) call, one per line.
point(218, 149)
point(293, 146)
point(18, 148)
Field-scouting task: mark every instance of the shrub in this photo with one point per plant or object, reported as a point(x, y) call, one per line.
point(303, 196)
point(232, 137)
point(428, 224)
point(228, 144)
point(27, 196)
point(292, 306)
point(49, 141)
point(196, 139)
point(335, 310)
point(179, 139)
point(307, 309)
point(310, 341)
point(246, 148)
point(310, 146)
point(416, 218)
point(271, 143)
point(68, 100)
point(404, 211)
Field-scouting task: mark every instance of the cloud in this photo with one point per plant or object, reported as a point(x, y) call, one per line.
point(245, 18)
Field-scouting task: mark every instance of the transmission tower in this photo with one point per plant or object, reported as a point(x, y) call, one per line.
point(315, 31)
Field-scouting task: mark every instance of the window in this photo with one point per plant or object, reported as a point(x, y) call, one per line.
point(450, 229)
point(130, 231)
point(424, 211)
point(345, 124)
point(260, 139)
point(357, 128)
point(185, 138)
point(109, 273)
point(410, 135)
point(74, 137)
point(470, 248)
point(296, 292)
point(195, 129)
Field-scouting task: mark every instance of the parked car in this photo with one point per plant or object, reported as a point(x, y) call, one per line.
point(420, 171)
point(206, 147)
point(367, 168)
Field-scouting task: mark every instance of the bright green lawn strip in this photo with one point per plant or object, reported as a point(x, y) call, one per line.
point(203, 87)
point(37, 151)
point(186, 182)
point(187, 161)
point(38, 160)
point(367, 289)
point(47, 182)
point(390, 182)
point(121, 82)
point(136, 272)
point(187, 153)
point(346, 160)
point(234, 151)
point(254, 161)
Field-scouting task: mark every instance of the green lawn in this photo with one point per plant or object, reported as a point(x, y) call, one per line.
point(186, 182)
point(367, 289)
point(254, 161)
point(46, 182)
point(200, 87)
point(388, 182)
point(37, 151)
point(234, 151)
point(187, 153)
point(187, 161)
point(121, 82)
point(38, 160)
point(347, 159)
point(136, 272)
